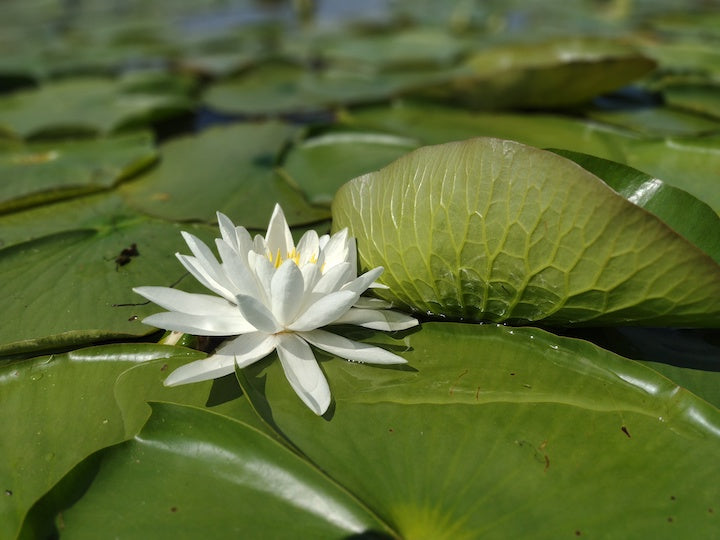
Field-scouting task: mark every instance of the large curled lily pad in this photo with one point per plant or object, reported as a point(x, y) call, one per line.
point(488, 229)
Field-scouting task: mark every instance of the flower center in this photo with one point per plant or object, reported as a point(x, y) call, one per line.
point(294, 255)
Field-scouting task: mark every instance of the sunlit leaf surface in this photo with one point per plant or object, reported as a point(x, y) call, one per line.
point(493, 230)
point(489, 429)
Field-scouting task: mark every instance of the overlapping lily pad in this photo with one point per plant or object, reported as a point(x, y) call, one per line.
point(44, 440)
point(75, 287)
point(275, 89)
point(84, 106)
point(227, 169)
point(554, 74)
point(321, 165)
point(489, 428)
point(42, 172)
point(487, 229)
point(206, 462)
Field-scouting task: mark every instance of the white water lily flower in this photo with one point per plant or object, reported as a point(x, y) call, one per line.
point(274, 295)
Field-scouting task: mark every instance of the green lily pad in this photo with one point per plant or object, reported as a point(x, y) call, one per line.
point(212, 476)
point(90, 211)
point(692, 218)
point(42, 172)
point(703, 99)
point(422, 47)
point(55, 412)
point(283, 89)
point(558, 73)
point(686, 56)
point(84, 106)
point(487, 229)
point(658, 121)
point(489, 428)
point(436, 124)
point(228, 169)
point(75, 287)
point(321, 165)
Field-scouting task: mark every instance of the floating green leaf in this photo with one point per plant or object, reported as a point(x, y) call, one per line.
point(489, 429)
point(75, 287)
point(212, 476)
point(38, 173)
point(84, 106)
point(699, 98)
point(55, 412)
point(322, 164)
point(227, 169)
point(658, 121)
point(495, 230)
point(401, 49)
point(558, 73)
point(91, 211)
point(285, 89)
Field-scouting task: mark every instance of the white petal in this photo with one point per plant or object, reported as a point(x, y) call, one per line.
point(311, 275)
point(202, 370)
point(377, 319)
point(308, 248)
point(199, 325)
point(278, 237)
point(200, 273)
point(236, 237)
point(264, 271)
point(257, 314)
point(352, 350)
point(227, 230)
point(287, 288)
point(303, 372)
point(237, 270)
point(334, 278)
point(207, 259)
point(243, 351)
point(323, 312)
point(248, 348)
point(259, 245)
point(360, 284)
point(190, 303)
point(336, 249)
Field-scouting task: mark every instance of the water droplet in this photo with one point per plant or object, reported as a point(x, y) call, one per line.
point(36, 376)
point(105, 421)
point(8, 493)
point(555, 347)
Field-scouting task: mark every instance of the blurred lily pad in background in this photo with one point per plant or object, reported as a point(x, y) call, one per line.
point(584, 198)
